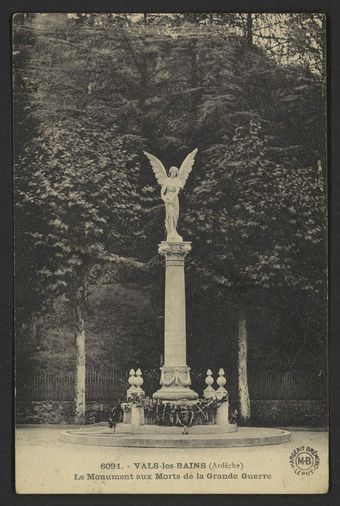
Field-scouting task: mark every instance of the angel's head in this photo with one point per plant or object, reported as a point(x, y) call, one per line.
point(173, 172)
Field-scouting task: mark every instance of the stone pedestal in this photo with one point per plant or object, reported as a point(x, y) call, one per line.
point(175, 374)
point(222, 415)
point(137, 417)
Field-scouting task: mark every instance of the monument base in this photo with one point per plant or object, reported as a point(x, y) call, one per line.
point(175, 393)
point(175, 381)
point(209, 436)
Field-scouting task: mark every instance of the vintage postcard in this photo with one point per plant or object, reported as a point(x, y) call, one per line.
point(170, 253)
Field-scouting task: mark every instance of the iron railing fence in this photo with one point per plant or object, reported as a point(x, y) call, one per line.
point(264, 384)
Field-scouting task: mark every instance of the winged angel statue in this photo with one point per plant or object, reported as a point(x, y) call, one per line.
point(171, 185)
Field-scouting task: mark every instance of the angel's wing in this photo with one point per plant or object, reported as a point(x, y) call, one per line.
point(186, 166)
point(157, 167)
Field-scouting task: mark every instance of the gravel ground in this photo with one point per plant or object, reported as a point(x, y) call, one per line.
point(44, 464)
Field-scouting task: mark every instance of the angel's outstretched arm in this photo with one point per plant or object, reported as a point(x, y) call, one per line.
point(163, 190)
point(176, 192)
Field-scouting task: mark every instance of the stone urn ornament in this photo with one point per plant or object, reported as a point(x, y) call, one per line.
point(209, 392)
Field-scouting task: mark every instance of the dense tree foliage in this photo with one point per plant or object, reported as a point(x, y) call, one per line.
point(93, 91)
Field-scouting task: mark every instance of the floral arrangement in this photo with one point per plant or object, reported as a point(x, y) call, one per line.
point(177, 413)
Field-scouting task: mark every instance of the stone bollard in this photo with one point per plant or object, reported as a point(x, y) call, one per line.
point(209, 392)
point(134, 415)
point(126, 414)
point(137, 417)
point(222, 414)
point(129, 394)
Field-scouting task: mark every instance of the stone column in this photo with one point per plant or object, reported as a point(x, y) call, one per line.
point(175, 374)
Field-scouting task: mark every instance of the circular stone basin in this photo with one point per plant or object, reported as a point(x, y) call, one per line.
point(152, 436)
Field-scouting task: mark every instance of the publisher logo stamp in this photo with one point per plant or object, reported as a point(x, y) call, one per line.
point(304, 460)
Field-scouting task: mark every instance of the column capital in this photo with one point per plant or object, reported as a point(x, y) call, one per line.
point(174, 249)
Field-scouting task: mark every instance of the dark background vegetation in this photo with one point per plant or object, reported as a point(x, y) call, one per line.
point(90, 93)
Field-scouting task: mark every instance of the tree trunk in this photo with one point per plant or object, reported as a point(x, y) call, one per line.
point(79, 334)
point(243, 392)
point(196, 95)
point(249, 29)
point(34, 330)
point(324, 58)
